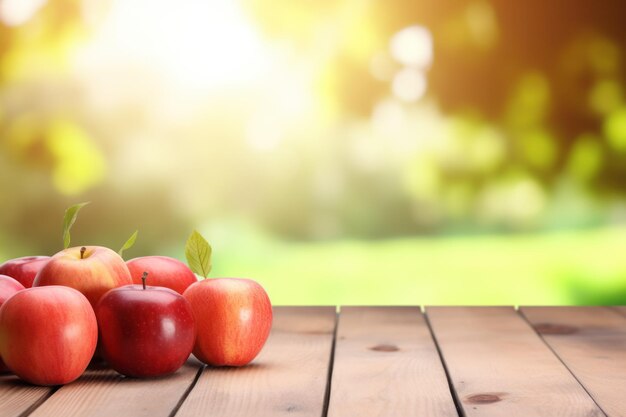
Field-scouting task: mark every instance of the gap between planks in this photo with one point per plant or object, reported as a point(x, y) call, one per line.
point(17, 398)
point(500, 367)
point(324, 331)
point(591, 343)
point(288, 378)
point(104, 393)
point(387, 364)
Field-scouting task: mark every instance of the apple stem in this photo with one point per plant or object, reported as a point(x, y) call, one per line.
point(82, 252)
point(143, 279)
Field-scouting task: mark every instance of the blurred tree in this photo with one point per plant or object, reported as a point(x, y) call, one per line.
point(547, 75)
point(492, 109)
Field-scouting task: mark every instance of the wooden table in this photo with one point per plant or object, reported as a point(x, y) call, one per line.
point(379, 361)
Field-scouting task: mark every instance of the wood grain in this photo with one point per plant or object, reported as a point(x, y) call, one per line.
point(105, 393)
point(288, 378)
point(386, 364)
point(16, 396)
point(621, 310)
point(499, 366)
point(591, 341)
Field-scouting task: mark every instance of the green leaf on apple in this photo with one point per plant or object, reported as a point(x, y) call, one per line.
point(198, 254)
point(68, 221)
point(129, 243)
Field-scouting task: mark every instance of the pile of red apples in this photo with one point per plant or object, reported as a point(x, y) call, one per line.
point(143, 317)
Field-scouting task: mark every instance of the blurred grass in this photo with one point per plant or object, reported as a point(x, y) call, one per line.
point(559, 268)
point(569, 267)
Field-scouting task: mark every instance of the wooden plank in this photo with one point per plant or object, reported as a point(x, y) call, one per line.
point(591, 341)
point(16, 396)
point(500, 367)
point(386, 364)
point(288, 378)
point(105, 393)
point(621, 310)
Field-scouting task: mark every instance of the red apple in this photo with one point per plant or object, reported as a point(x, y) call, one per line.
point(145, 331)
point(163, 271)
point(24, 269)
point(92, 270)
point(233, 318)
point(48, 334)
point(8, 287)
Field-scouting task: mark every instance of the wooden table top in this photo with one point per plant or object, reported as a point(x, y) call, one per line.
point(379, 361)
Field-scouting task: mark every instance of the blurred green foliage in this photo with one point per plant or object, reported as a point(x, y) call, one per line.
point(579, 267)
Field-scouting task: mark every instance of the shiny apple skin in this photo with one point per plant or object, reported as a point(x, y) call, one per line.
point(8, 287)
point(24, 269)
point(47, 334)
point(163, 272)
point(100, 270)
point(145, 332)
point(233, 318)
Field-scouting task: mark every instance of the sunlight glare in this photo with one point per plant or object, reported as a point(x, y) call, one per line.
point(18, 12)
point(194, 44)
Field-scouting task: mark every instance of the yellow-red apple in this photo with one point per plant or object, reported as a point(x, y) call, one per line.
point(47, 334)
point(163, 271)
point(233, 320)
point(24, 269)
point(92, 270)
point(8, 288)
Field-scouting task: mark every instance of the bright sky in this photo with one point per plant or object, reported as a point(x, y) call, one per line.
point(197, 44)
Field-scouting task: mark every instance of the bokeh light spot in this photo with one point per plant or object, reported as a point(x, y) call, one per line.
point(487, 150)
point(482, 24)
point(530, 100)
point(585, 158)
point(79, 164)
point(615, 129)
point(18, 12)
point(605, 96)
point(422, 179)
point(413, 46)
point(409, 85)
point(538, 147)
point(516, 201)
